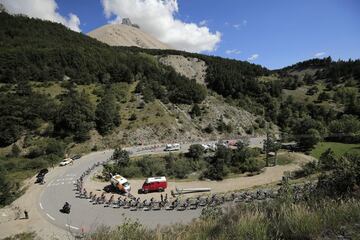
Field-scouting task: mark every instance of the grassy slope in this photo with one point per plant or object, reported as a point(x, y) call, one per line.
point(339, 148)
point(300, 93)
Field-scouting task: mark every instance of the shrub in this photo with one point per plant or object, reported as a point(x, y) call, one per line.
point(195, 111)
point(327, 160)
point(344, 178)
point(307, 169)
point(151, 167)
point(251, 165)
point(249, 130)
point(181, 168)
point(142, 105)
point(55, 147)
point(133, 117)
point(131, 171)
point(209, 129)
point(36, 152)
point(208, 213)
point(36, 163)
point(121, 157)
point(110, 169)
point(196, 151)
point(15, 151)
point(129, 230)
point(261, 122)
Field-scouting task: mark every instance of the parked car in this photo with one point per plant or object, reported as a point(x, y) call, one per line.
point(66, 161)
point(154, 184)
point(76, 157)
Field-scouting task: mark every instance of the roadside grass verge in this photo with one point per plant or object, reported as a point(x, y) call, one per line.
point(22, 236)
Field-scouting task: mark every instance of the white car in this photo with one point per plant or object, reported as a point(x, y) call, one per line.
point(66, 162)
point(172, 147)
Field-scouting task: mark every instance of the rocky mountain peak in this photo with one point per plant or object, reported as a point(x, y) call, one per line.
point(127, 21)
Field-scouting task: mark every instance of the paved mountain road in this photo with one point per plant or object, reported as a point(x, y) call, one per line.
point(86, 217)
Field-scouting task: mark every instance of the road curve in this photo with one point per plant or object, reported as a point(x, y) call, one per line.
point(87, 217)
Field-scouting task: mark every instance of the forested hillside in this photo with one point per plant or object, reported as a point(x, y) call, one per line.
point(40, 51)
point(310, 101)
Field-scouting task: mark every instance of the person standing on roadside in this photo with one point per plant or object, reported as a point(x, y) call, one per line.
point(26, 214)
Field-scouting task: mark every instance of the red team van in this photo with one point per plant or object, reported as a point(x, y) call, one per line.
point(154, 184)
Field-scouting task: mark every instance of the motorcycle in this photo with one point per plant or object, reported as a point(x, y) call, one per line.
point(66, 208)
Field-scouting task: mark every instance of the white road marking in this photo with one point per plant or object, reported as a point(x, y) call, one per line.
point(67, 225)
point(50, 217)
point(41, 206)
point(64, 179)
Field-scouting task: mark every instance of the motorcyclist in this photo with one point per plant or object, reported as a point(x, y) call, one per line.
point(66, 207)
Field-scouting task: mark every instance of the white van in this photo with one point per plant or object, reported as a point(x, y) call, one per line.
point(121, 183)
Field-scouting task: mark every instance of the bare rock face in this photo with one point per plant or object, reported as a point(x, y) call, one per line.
point(192, 68)
point(126, 34)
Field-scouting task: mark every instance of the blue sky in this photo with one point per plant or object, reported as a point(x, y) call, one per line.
point(280, 32)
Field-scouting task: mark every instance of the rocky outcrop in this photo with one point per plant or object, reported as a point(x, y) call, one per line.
point(127, 21)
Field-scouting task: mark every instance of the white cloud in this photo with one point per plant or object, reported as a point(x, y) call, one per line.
point(157, 17)
point(232, 51)
point(203, 22)
point(43, 9)
point(319, 54)
point(253, 57)
point(239, 25)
